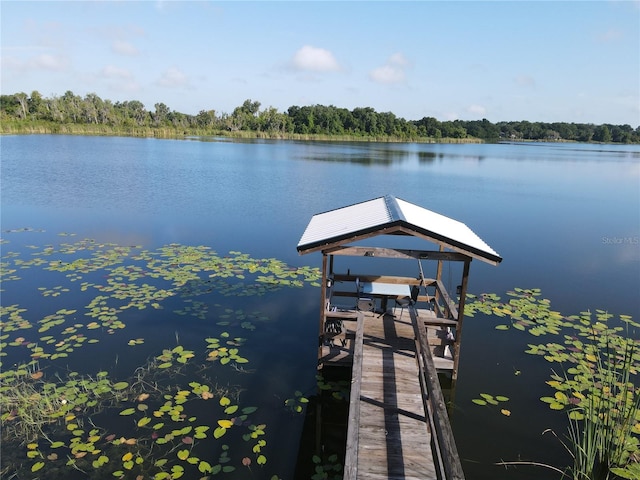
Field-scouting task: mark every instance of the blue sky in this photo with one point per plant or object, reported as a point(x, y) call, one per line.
point(573, 61)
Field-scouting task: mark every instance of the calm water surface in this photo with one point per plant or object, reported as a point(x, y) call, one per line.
point(565, 218)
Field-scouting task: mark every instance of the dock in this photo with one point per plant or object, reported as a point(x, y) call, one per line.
point(398, 425)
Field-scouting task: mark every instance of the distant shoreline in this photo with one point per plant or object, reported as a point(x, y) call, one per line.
point(29, 128)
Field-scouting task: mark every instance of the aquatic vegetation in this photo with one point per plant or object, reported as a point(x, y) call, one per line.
point(339, 389)
point(327, 468)
point(488, 399)
point(150, 423)
point(598, 360)
point(297, 403)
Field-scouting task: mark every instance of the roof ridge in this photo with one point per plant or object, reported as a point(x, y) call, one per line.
point(393, 208)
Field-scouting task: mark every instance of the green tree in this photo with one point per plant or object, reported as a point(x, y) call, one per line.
point(161, 114)
point(602, 134)
point(23, 104)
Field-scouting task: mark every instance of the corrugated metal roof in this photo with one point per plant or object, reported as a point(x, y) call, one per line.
point(348, 224)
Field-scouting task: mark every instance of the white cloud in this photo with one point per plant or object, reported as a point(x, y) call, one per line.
point(398, 59)
point(124, 48)
point(44, 61)
point(387, 74)
point(47, 61)
point(393, 71)
point(173, 77)
point(111, 71)
point(476, 109)
point(315, 59)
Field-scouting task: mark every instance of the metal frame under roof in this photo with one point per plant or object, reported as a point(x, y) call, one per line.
point(391, 215)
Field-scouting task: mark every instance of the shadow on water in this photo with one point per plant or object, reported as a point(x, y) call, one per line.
point(324, 436)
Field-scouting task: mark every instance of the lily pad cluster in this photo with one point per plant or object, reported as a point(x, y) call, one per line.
point(488, 399)
point(596, 359)
point(58, 422)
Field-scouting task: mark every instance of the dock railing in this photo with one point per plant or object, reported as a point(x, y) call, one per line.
point(445, 453)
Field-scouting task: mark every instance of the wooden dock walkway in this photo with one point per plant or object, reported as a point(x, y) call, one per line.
point(396, 420)
point(394, 437)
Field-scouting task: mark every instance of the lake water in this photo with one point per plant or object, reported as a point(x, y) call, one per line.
point(565, 218)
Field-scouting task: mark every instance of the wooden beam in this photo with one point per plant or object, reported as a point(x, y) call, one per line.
point(353, 429)
point(351, 278)
point(439, 274)
point(383, 252)
point(323, 304)
point(447, 299)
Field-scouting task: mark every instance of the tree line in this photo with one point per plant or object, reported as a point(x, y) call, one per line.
point(70, 109)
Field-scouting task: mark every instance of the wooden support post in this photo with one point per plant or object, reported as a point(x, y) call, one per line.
point(439, 274)
point(461, 302)
point(323, 306)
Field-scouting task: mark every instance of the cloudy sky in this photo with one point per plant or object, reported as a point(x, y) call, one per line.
point(573, 61)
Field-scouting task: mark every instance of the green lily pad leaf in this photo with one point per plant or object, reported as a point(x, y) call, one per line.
point(261, 460)
point(183, 454)
point(37, 466)
point(576, 415)
point(120, 385)
point(128, 411)
point(144, 421)
point(205, 467)
point(479, 401)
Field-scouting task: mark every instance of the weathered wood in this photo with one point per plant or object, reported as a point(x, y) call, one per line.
point(323, 304)
point(447, 299)
point(448, 459)
point(394, 438)
point(351, 278)
point(395, 253)
point(440, 321)
point(353, 430)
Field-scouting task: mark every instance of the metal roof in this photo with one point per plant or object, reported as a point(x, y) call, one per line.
point(391, 215)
